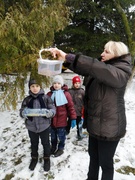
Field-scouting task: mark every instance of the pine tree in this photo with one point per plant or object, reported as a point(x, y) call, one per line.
point(25, 27)
point(96, 22)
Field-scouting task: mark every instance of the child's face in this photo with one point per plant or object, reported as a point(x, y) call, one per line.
point(35, 88)
point(77, 85)
point(57, 85)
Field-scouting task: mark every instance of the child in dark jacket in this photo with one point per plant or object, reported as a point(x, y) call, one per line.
point(38, 109)
point(77, 93)
point(64, 106)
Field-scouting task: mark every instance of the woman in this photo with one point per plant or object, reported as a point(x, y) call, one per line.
point(105, 118)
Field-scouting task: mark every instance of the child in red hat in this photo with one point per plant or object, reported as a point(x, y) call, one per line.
point(77, 93)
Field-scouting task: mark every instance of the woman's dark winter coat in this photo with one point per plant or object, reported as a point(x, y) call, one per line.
point(105, 84)
point(62, 112)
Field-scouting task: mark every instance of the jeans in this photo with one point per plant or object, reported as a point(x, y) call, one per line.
point(34, 138)
point(58, 137)
point(101, 154)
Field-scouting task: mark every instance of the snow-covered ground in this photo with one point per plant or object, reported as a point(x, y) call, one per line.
point(73, 164)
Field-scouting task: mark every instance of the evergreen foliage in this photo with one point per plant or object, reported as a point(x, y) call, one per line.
point(96, 22)
point(73, 25)
point(26, 27)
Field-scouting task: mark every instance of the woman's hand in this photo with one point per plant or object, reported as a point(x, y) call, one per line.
point(57, 53)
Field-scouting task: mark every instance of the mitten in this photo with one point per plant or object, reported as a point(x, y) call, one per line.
point(73, 123)
point(48, 113)
point(24, 113)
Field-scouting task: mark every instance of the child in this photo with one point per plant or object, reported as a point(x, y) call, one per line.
point(64, 106)
point(77, 94)
point(38, 109)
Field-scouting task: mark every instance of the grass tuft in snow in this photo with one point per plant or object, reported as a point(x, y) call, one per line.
point(9, 176)
point(126, 170)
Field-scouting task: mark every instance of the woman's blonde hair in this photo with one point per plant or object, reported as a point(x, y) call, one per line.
point(116, 48)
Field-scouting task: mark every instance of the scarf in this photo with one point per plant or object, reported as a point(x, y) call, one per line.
point(59, 97)
point(30, 104)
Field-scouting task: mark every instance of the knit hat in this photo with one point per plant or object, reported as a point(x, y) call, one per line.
point(58, 79)
point(33, 81)
point(76, 79)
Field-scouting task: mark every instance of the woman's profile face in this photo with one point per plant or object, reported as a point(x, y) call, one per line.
point(106, 55)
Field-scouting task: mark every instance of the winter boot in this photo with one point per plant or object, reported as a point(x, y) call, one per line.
point(46, 163)
point(58, 153)
point(79, 138)
point(33, 163)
